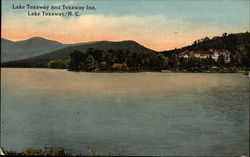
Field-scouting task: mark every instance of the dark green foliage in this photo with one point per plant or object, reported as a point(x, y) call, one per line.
point(220, 61)
point(174, 61)
point(89, 64)
point(27, 63)
point(117, 60)
point(210, 61)
point(59, 64)
point(156, 62)
point(76, 57)
point(119, 67)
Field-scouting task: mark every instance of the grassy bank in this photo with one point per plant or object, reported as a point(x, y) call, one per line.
point(43, 152)
point(48, 151)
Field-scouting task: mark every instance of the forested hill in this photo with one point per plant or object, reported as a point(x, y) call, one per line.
point(238, 44)
point(233, 42)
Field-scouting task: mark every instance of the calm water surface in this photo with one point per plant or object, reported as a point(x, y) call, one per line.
point(125, 113)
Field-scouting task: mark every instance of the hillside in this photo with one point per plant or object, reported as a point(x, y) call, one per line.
point(238, 42)
point(64, 53)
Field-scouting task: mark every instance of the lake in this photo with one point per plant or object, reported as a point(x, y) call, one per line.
point(147, 113)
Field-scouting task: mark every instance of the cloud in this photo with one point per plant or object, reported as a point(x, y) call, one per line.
point(156, 32)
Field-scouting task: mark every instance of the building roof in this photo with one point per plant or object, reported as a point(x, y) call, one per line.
point(219, 50)
point(202, 52)
point(196, 52)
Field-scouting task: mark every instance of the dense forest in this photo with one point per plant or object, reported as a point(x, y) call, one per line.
point(95, 59)
point(111, 60)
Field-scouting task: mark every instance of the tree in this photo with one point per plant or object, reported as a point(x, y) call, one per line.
point(221, 61)
point(157, 62)
point(59, 64)
point(119, 67)
point(183, 62)
point(76, 58)
point(163, 62)
point(90, 63)
point(206, 39)
point(209, 61)
point(224, 35)
point(191, 62)
point(95, 53)
point(174, 61)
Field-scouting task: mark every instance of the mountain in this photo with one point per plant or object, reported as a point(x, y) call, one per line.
point(64, 53)
point(27, 48)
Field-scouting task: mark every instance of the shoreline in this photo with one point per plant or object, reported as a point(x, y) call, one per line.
point(244, 72)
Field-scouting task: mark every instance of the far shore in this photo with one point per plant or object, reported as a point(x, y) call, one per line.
point(246, 72)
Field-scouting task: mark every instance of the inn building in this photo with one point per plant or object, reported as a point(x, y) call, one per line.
point(214, 53)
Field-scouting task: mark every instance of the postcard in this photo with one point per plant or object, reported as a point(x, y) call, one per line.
point(126, 77)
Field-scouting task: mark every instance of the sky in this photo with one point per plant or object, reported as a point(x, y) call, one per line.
point(156, 24)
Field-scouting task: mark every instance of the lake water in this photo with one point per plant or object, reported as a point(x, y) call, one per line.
point(145, 113)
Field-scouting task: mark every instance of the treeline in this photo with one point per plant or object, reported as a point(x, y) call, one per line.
point(27, 63)
point(116, 60)
point(195, 64)
point(111, 60)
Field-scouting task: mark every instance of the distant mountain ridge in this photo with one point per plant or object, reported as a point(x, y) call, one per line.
point(31, 47)
point(11, 50)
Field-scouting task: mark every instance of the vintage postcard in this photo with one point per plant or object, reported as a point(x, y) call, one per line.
point(125, 77)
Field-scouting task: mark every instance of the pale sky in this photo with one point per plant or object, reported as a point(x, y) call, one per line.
point(156, 24)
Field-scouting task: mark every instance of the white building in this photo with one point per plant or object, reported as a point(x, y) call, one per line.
point(206, 54)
